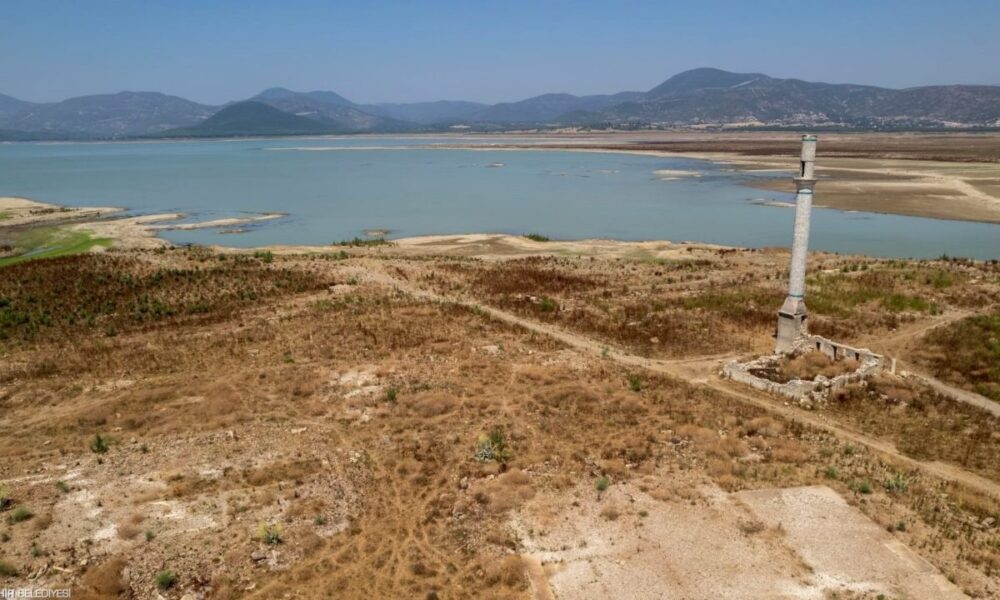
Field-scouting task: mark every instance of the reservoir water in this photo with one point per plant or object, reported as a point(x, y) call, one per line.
point(337, 188)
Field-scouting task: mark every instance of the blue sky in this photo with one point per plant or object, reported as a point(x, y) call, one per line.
point(214, 50)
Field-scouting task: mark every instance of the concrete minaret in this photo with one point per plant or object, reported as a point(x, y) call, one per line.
point(792, 316)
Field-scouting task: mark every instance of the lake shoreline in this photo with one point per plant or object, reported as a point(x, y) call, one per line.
point(880, 186)
point(862, 207)
point(142, 232)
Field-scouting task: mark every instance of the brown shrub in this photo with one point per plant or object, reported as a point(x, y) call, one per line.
point(509, 571)
point(611, 512)
point(809, 365)
point(528, 276)
point(506, 492)
point(182, 486)
point(763, 426)
point(433, 405)
point(306, 507)
point(128, 528)
point(718, 467)
point(787, 450)
point(701, 436)
point(292, 470)
point(571, 397)
point(42, 521)
point(751, 526)
point(103, 581)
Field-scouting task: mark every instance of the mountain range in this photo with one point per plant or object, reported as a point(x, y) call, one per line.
point(697, 98)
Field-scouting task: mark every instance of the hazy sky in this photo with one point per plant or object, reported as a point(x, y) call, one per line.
point(213, 50)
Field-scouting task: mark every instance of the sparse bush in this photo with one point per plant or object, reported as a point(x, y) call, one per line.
point(897, 483)
point(493, 447)
point(319, 520)
point(751, 526)
point(165, 579)
point(610, 512)
point(831, 472)
point(378, 241)
point(537, 237)
point(4, 496)
point(635, 383)
point(966, 353)
point(809, 365)
point(602, 484)
point(150, 535)
point(391, 394)
point(7, 570)
point(20, 514)
point(264, 256)
point(62, 487)
point(98, 445)
point(862, 487)
point(270, 534)
point(547, 304)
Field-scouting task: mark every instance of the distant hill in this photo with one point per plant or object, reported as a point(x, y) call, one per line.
point(703, 79)
point(330, 108)
point(703, 97)
point(250, 118)
point(548, 107)
point(109, 115)
point(428, 113)
point(10, 106)
point(711, 96)
point(277, 94)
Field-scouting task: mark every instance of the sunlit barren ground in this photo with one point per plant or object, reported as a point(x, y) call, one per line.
point(404, 421)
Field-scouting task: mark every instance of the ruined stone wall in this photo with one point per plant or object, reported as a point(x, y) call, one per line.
point(803, 391)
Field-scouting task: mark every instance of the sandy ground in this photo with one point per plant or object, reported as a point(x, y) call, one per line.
point(21, 211)
point(141, 232)
point(962, 191)
point(648, 540)
point(952, 176)
point(502, 245)
point(138, 232)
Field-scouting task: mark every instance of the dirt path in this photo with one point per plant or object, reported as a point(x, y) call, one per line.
point(703, 371)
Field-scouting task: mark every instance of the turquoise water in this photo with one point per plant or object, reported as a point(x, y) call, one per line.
point(335, 189)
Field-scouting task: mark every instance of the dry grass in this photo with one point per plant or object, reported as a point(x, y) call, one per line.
point(251, 417)
point(922, 423)
point(966, 353)
point(809, 365)
point(60, 299)
point(677, 308)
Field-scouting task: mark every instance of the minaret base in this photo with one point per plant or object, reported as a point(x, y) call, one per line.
point(791, 327)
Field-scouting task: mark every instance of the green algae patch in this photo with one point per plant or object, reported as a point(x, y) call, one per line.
point(51, 242)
